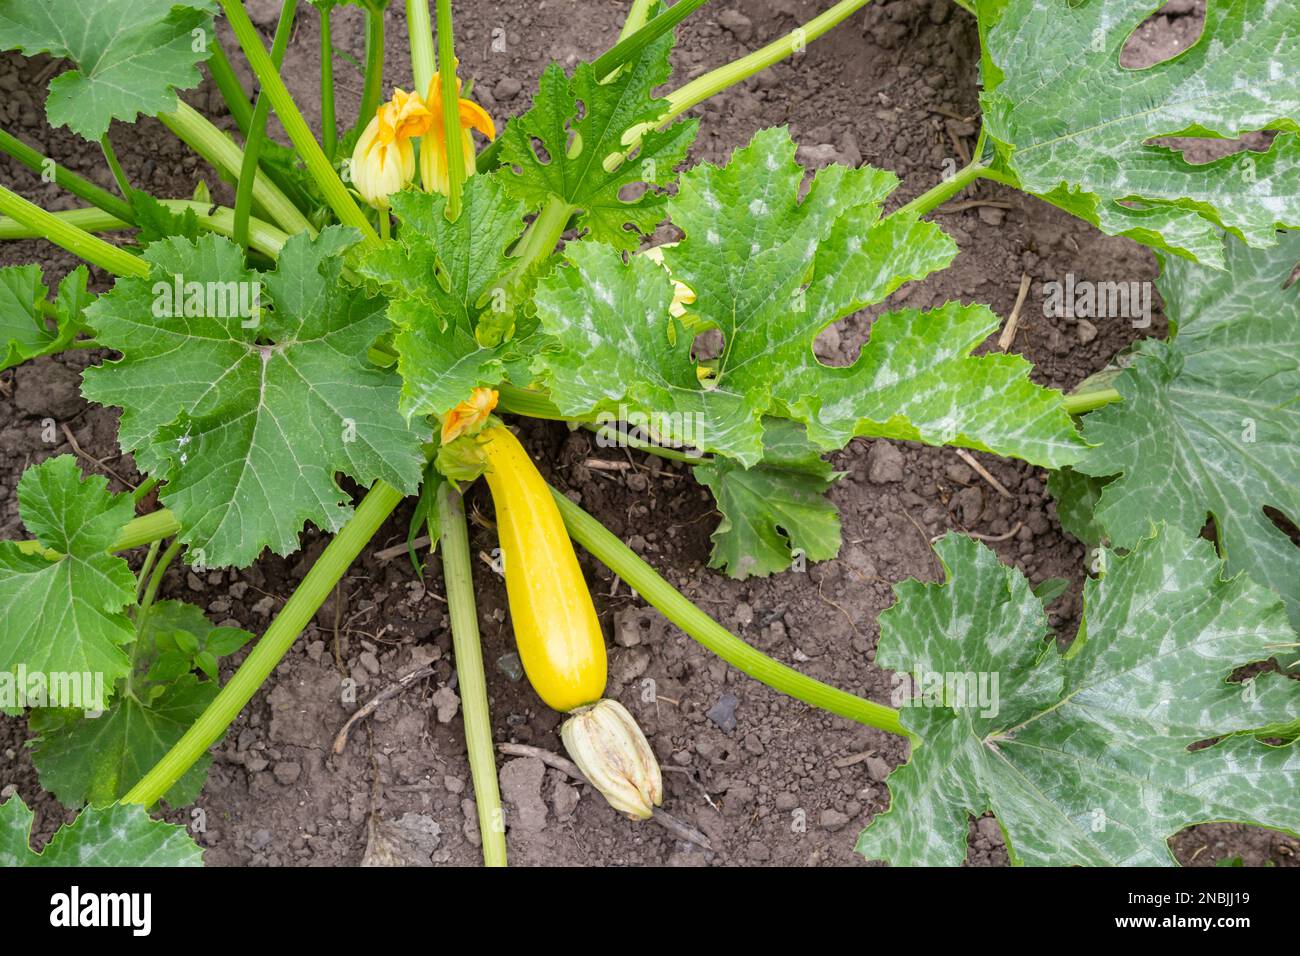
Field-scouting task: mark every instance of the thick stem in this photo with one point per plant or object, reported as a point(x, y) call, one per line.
point(420, 31)
point(77, 241)
point(228, 85)
point(543, 234)
point(675, 606)
point(457, 572)
point(155, 582)
point(939, 194)
point(139, 531)
point(219, 150)
point(275, 643)
point(37, 162)
point(638, 33)
point(716, 81)
point(336, 194)
point(1081, 402)
point(115, 167)
point(329, 131)
point(257, 129)
point(373, 90)
point(450, 109)
point(262, 236)
point(619, 438)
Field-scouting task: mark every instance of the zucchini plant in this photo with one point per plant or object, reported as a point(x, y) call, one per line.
point(379, 303)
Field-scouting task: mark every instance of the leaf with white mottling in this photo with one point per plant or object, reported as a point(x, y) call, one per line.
point(1084, 756)
point(1074, 125)
point(117, 835)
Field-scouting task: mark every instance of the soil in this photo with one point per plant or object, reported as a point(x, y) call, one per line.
point(767, 779)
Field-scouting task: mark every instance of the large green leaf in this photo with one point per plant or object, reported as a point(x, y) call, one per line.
point(26, 313)
point(1074, 125)
point(458, 307)
point(131, 56)
point(1209, 421)
point(771, 272)
point(585, 128)
point(65, 616)
point(116, 835)
point(1084, 757)
point(250, 418)
point(774, 509)
point(85, 759)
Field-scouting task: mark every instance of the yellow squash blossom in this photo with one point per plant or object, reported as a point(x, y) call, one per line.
point(384, 159)
point(433, 148)
point(468, 414)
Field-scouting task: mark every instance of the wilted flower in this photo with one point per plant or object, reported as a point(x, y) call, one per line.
point(606, 743)
point(433, 148)
point(469, 414)
point(384, 158)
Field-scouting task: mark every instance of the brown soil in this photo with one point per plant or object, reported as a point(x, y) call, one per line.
point(767, 779)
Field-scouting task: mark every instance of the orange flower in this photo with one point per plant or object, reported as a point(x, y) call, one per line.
point(433, 147)
point(469, 414)
point(384, 159)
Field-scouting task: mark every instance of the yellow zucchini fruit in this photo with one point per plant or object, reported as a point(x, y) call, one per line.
point(556, 628)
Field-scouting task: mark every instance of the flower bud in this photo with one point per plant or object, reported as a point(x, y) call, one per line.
point(607, 745)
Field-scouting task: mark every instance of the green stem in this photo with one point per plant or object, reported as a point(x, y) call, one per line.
point(146, 486)
point(77, 241)
point(420, 31)
point(336, 194)
point(457, 572)
point(262, 236)
point(638, 34)
point(450, 109)
point(939, 194)
point(528, 402)
point(275, 643)
point(79, 186)
point(143, 578)
point(155, 582)
point(373, 90)
point(385, 225)
point(543, 234)
point(257, 130)
point(716, 81)
point(219, 150)
point(228, 85)
point(675, 606)
point(329, 131)
point(1081, 402)
point(119, 174)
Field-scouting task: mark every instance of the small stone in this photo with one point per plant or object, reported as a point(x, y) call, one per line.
point(884, 463)
point(1086, 331)
point(510, 665)
point(737, 24)
point(507, 88)
point(877, 768)
point(631, 663)
point(833, 820)
point(453, 784)
point(369, 661)
point(992, 215)
point(723, 713)
point(446, 704)
point(564, 800)
point(744, 614)
point(521, 786)
point(286, 772)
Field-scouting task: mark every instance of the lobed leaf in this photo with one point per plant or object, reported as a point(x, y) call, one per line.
point(30, 324)
point(1085, 757)
point(117, 835)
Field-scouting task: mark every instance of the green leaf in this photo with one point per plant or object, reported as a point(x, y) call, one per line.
point(459, 315)
point(66, 615)
point(157, 222)
point(771, 272)
point(131, 56)
point(1084, 757)
point(1209, 421)
point(117, 835)
point(1075, 126)
point(774, 509)
point(26, 313)
point(1076, 496)
point(98, 759)
point(586, 163)
point(250, 419)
